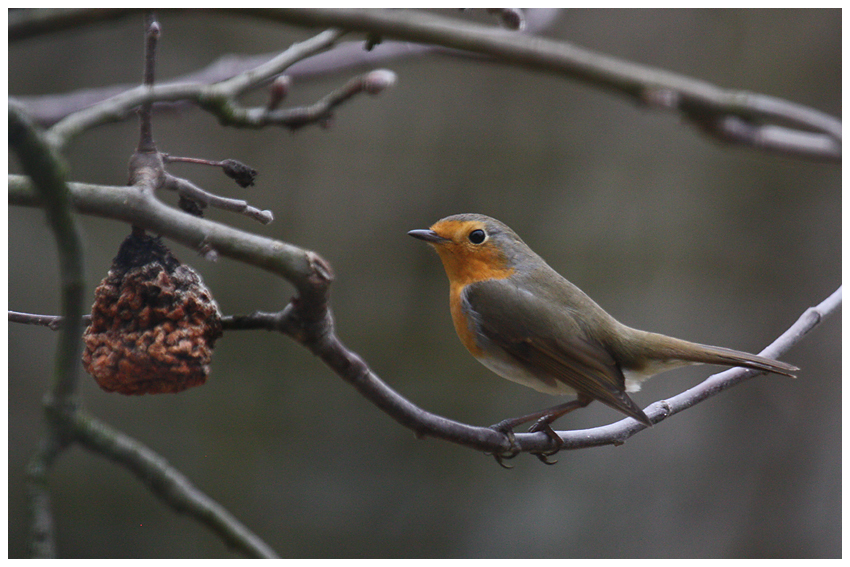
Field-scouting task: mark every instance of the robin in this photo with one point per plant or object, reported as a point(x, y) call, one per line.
point(527, 323)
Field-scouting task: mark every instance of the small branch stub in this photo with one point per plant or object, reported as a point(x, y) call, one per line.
point(154, 323)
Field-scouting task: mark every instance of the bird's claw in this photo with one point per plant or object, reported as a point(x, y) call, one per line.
point(506, 430)
point(543, 456)
point(543, 424)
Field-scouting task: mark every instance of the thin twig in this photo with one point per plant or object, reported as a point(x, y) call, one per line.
point(53, 322)
point(231, 114)
point(120, 106)
point(254, 321)
point(186, 188)
point(152, 31)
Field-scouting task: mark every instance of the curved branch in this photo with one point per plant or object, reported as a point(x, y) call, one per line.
point(130, 204)
point(308, 320)
point(48, 178)
point(818, 135)
point(617, 433)
point(750, 119)
point(166, 482)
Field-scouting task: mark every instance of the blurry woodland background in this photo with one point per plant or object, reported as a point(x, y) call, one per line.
point(667, 229)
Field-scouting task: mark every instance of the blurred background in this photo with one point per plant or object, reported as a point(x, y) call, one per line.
point(668, 230)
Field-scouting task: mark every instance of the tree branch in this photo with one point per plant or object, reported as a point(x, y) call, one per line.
point(166, 482)
point(345, 56)
point(189, 190)
point(48, 179)
point(817, 135)
point(617, 433)
point(218, 98)
point(308, 320)
point(42, 540)
point(739, 117)
point(47, 175)
point(230, 114)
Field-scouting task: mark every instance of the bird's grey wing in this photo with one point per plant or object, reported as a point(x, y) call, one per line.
point(552, 342)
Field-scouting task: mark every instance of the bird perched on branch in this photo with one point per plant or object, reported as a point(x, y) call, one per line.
point(527, 323)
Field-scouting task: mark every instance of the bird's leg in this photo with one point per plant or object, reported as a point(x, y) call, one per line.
point(542, 417)
point(543, 420)
point(544, 424)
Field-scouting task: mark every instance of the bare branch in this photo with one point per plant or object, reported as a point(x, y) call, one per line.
point(48, 179)
point(42, 538)
point(346, 56)
point(47, 175)
point(617, 433)
point(215, 98)
point(46, 110)
point(191, 191)
point(53, 322)
point(738, 117)
point(818, 135)
point(238, 171)
point(166, 482)
point(152, 31)
point(231, 114)
point(308, 320)
point(142, 208)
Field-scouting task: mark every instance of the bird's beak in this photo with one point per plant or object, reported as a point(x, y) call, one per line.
point(428, 236)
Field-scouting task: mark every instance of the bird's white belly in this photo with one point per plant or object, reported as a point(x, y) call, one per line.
point(517, 374)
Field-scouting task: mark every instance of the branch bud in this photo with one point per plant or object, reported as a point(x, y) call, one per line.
point(512, 18)
point(239, 172)
point(278, 91)
point(378, 80)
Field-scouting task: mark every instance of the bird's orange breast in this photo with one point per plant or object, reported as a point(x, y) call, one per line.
point(464, 267)
point(463, 326)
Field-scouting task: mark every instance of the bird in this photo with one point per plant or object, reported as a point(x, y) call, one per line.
point(527, 323)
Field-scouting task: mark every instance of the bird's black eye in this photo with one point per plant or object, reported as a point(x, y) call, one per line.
point(477, 236)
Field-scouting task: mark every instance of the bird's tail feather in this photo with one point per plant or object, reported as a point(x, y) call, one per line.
point(693, 352)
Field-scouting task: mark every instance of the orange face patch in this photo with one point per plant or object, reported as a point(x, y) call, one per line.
point(466, 262)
